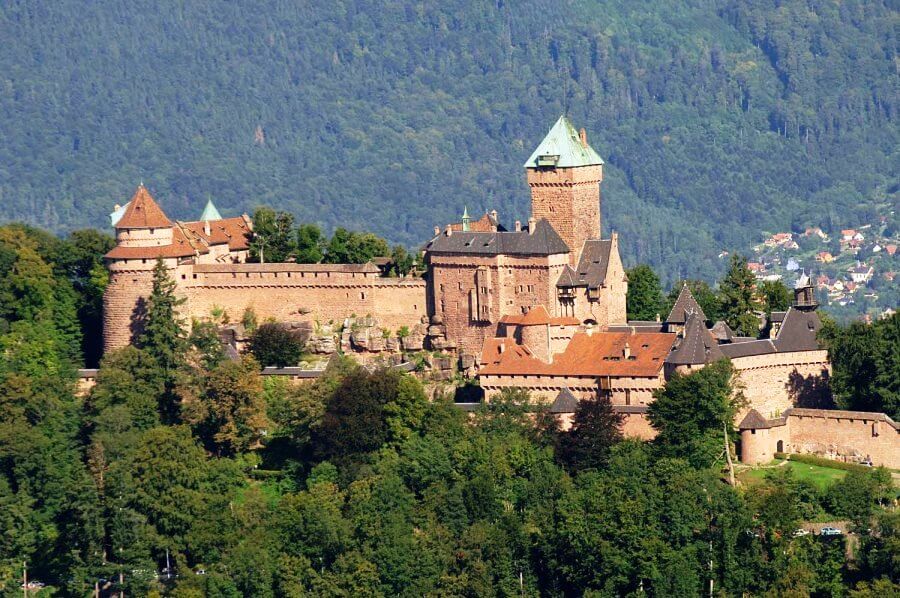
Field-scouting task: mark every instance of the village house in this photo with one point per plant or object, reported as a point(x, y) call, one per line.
point(861, 273)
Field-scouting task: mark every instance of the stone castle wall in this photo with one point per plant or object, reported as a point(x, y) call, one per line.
point(124, 300)
point(622, 391)
point(291, 292)
point(513, 285)
point(284, 292)
point(569, 198)
point(844, 435)
point(775, 382)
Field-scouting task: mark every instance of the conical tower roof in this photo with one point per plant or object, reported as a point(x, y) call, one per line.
point(143, 212)
point(210, 212)
point(563, 147)
point(698, 345)
point(684, 305)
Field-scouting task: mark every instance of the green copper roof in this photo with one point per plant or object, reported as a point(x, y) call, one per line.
point(210, 212)
point(562, 148)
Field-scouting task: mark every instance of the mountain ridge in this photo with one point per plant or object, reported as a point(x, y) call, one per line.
point(717, 120)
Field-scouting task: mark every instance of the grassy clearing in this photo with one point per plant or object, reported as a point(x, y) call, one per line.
point(822, 477)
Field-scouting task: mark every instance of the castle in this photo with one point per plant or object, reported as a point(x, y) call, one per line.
point(540, 307)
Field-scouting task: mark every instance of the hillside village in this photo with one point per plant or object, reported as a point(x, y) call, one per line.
point(855, 270)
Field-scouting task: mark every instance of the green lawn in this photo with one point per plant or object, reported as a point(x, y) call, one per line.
point(820, 476)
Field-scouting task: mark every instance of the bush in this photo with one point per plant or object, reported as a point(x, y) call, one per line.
point(275, 345)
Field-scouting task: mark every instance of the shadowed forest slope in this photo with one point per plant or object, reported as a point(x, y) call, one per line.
point(718, 119)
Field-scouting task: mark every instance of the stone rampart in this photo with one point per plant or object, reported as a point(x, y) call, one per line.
point(775, 382)
point(302, 292)
point(853, 436)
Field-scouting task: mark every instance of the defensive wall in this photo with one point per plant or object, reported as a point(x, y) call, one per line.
point(843, 435)
point(284, 292)
point(775, 382)
point(316, 292)
point(621, 390)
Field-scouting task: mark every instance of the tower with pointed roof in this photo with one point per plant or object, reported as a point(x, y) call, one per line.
point(564, 174)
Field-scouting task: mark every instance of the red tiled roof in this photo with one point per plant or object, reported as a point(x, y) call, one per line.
point(485, 224)
point(181, 246)
point(539, 315)
point(143, 212)
point(597, 354)
point(234, 231)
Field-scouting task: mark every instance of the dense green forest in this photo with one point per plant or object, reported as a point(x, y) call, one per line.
point(718, 118)
point(185, 473)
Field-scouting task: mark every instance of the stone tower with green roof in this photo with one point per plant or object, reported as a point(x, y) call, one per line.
point(564, 174)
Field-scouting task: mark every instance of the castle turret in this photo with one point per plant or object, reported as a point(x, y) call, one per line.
point(805, 294)
point(564, 174)
point(143, 234)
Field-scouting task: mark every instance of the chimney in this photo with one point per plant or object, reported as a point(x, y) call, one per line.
point(116, 208)
point(532, 224)
point(518, 228)
point(437, 230)
point(626, 350)
point(207, 229)
point(583, 136)
point(494, 214)
point(449, 230)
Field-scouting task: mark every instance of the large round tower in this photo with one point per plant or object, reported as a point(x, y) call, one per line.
point(143, 234)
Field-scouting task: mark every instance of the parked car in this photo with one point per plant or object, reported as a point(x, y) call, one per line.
point(801, 532)
point(830, 531)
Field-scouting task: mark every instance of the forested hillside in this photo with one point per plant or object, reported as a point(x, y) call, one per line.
point(718, 119)
point(184, 473)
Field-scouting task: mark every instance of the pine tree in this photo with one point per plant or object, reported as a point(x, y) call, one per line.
point(595, 429)
point(737, 295)
point(645, 298)
point(164, 335)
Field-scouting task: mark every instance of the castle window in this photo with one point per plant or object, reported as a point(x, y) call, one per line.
point(459, 285)
point(195, 277)
point(362, 295)
point(442, 287)
point(183, 276)
point(143, 261)
point(484, 290)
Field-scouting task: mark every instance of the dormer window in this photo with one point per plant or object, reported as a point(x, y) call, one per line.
point(548, 160)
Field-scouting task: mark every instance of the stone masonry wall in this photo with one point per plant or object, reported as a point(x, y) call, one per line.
point(569, 198)
point(395, 302)
point(515, 285)
point(631, 391)
point(759, 446)
point(772, 383)
point(831, 435)
point(272, 290)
